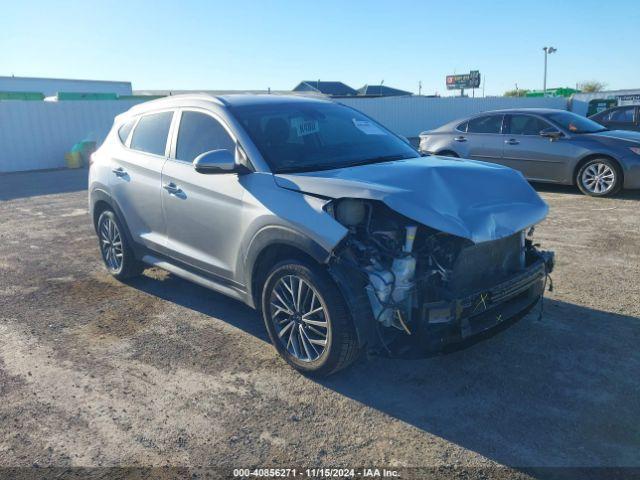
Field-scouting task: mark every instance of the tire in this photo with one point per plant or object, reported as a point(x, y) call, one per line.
point(117, 255)
point(296, 340)
point(599, 177)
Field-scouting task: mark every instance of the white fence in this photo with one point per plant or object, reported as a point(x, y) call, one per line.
point(409, 116)
point(36, 135)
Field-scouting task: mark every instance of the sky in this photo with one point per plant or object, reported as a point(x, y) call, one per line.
point(241, 44)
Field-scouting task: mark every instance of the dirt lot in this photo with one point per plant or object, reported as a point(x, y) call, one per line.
point(157, 372)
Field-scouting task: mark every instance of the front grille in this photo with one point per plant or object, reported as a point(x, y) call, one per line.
point(485, 264)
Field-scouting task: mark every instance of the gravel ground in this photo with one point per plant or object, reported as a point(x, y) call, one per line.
point(97, 373)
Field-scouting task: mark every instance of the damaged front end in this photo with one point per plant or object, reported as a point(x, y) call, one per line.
point(428, 289)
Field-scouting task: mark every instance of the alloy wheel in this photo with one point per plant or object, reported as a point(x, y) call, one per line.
point(299, 316)
point(111, 243)
point(598, 178)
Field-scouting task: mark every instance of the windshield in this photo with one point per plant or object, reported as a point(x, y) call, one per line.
point(296, 136)
point(575, 123)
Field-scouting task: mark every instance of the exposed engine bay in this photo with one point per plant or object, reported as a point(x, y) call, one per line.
point(431, 286)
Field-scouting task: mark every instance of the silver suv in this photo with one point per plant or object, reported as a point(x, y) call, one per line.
point(332, 226)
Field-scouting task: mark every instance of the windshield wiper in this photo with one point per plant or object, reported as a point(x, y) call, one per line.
point(310, 168)
point(318, 168)
point(380, 159)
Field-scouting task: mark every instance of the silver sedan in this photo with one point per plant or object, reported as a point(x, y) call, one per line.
point(546, 145)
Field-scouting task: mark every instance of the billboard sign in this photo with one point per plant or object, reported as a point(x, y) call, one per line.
point(467, 80)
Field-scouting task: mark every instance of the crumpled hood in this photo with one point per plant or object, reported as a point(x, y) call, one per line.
point(475, 200)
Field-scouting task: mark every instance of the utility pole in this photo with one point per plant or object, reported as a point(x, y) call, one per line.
point(419, 87)
point(547, 51)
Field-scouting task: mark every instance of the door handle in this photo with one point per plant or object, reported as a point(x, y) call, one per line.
point(512, 141)
point(460, 139)
point(173, 189)
point(119, 172)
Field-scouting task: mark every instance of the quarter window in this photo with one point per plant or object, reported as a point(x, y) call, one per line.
point(150, 135)
point(488, 124)
point(462, 127)
point(526, 125)
point(200, 133)
point(123, 131)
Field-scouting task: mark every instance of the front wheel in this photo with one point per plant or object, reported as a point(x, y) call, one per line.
point(307, 319)
point(599, 177)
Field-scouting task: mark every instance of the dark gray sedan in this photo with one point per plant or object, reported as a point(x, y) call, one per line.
point(545, 145)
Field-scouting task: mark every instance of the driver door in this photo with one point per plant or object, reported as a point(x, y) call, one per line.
point(537, 157)
point(202, 211)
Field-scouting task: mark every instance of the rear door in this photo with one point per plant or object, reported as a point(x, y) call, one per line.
point(203, 211)
point(136, 174)
point(537, 157)
point(483, 138)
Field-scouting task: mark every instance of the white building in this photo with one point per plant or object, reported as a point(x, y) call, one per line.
point(579, 102)
point(51, 86)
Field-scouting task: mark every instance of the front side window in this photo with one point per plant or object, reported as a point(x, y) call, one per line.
point(150, 135)
point(622, 115)
point(307, 136)
point(200, 133)
point(488, 124)
point(575, 123)
point(526, 125)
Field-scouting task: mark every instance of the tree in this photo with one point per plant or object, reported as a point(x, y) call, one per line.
point(591, 86)
point(516, 93)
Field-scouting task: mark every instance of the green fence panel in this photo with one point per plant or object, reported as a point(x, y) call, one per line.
point(86, 96)
point(21, 96)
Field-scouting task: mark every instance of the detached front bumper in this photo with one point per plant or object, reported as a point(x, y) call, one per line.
point(456, 320)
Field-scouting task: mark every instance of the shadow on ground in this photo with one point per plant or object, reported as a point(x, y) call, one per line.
point(561, 391)
point(45, 182)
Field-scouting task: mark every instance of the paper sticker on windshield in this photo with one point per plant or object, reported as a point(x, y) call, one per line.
point(305, 126)
point(368, 128)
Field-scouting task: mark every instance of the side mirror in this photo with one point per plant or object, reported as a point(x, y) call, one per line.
point(552, 133)
point(215, 161)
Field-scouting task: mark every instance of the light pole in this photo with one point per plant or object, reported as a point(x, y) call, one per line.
point(547, 51)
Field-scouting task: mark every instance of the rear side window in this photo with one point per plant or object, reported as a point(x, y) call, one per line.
point(488, 124)
point(123, 131)
point(622, 115)
point(150, 135)
point(526, 125)
point(462, 127)
point(200, 133)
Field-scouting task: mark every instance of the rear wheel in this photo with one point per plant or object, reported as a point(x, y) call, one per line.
point(599, 177)
point(448, 153)
point(116, 253)
point(307, 319)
